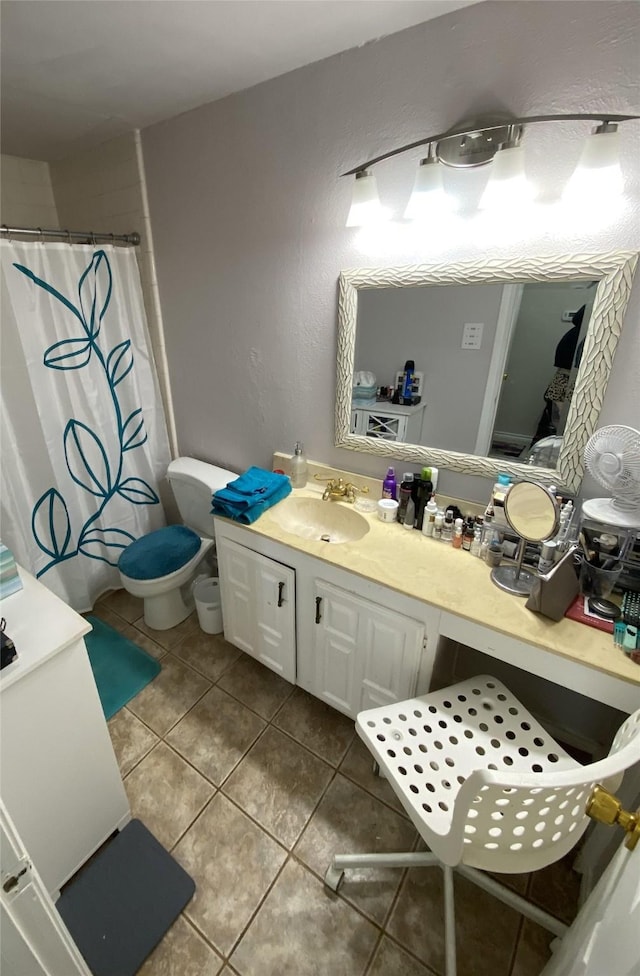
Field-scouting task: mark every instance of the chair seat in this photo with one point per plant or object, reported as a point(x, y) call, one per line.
point(428, 746)
point(159, 553)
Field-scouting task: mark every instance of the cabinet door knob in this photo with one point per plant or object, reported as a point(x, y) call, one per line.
point(280, 591)
point(318, 614)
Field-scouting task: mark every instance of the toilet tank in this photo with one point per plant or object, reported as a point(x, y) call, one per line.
point(193, 483)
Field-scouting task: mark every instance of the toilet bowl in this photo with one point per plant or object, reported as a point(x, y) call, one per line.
point(160, 566)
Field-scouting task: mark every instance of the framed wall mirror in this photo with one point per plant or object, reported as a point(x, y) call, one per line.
point(511, 362)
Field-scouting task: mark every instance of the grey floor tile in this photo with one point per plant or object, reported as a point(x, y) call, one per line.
point(143, 640)
point(169, 696)
point(417, 923)
point(556, 888)
point(256, 686)
point(278, 783)
point(358, 766)
point(391, 960)
point(350, 821)
point(301, 930)
point(182, 952)
point(124, 604)
point(169, 638)
point(210, 654)
point(166, 794)
point(215, 734)
point(109, 617)
point(130, 738)
point(233, 862)
point(533, 951)
point(316, 725)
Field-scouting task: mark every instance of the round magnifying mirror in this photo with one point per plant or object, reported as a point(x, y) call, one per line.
point(533, 513)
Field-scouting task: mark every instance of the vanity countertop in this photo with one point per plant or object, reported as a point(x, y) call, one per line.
point(453, 581)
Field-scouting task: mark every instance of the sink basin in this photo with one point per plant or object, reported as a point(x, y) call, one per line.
point(312, 518)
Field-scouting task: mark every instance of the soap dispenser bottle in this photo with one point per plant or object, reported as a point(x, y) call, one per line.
point(299, 471)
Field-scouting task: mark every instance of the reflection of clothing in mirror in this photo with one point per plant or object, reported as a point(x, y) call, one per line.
point(567, 354)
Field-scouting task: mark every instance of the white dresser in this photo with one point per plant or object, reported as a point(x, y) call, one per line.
point(59, 778)
point(390, 421)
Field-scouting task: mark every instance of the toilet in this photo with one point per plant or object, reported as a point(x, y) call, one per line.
point(158, 566)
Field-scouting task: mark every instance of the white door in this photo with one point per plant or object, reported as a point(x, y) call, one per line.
point(603, 940)
point(364, 655)
point(33, 938)
point(258, 606)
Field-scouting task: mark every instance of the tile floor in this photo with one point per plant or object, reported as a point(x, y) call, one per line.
point(252, 784)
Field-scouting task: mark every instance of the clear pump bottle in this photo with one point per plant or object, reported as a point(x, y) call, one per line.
point(299, 470)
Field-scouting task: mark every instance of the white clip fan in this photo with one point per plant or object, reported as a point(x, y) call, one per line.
point(612, 456)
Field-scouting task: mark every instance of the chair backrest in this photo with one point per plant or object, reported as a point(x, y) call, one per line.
point(521, 822)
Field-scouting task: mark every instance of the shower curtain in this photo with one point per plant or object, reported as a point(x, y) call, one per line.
point(83, 434)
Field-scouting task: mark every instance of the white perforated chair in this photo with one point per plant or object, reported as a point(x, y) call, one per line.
point(486, 787)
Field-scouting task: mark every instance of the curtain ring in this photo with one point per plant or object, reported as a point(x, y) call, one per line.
point(68, 233)
point(93, 238)
point(6, 230)
point(39, 229)
point(113, 240)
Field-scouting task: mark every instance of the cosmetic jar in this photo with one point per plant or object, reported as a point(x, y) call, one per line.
point(364, 504)
point(387, 510)
point(494, 554)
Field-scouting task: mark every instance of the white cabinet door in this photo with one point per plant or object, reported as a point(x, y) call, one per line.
point(258, 606)
point(363, 654)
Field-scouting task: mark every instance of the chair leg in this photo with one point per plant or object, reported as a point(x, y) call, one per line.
point(510, 898)
point(449, 922)
point(341, 862)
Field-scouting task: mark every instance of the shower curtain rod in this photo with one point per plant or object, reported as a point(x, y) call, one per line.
point(89, 236)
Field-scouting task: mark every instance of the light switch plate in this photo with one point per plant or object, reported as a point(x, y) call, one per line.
point(472, 335)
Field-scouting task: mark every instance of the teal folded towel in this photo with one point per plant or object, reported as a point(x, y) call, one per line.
point(245, 499)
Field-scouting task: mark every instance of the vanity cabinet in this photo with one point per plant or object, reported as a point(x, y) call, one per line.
point(356, 654)
point(390, 421)
point(258, 606)
point(348, 641)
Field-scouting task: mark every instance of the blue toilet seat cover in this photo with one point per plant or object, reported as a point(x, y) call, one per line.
point(159, 553)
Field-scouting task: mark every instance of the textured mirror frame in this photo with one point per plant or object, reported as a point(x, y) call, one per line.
point(614, 271)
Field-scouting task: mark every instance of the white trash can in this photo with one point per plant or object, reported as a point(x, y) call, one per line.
point(206, 593)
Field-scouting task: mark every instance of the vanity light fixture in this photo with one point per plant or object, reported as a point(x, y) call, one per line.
point(496, 141)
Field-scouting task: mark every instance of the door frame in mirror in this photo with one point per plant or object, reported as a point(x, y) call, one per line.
point(614, 271)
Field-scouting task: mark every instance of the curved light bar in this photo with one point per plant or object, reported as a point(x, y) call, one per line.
point(486, 129)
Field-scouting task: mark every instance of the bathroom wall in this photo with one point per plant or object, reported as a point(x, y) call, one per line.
point(26, 194)
point(248, 210)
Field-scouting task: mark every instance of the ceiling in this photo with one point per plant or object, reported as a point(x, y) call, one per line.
point(75, 73)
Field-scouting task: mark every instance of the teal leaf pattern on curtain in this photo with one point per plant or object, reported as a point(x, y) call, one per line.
point(87, 459)
point(50, 524)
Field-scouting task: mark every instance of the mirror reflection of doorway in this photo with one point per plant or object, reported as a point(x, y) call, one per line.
point(543, 319)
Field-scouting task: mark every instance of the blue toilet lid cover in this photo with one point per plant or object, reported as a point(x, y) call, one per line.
point(159, 553)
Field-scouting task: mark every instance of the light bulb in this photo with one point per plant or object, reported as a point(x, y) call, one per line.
point(597, 177)
point(508, 185)
point(428, 199)
point(365, 206)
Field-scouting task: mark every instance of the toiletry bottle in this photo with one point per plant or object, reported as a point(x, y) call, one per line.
point(429, 518)
point(389, 487)
point(477, 537)
point(298, 463)
point(410, 514)
point(467, 535)
point(447, 526)
point(437, 524)
point(547, 556)
point(485, 539)
point(425, 490)
point(407, 381)
point(404, 494)
point(456, 542)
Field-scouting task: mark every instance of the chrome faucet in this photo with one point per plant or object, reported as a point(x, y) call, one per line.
point(339, 488)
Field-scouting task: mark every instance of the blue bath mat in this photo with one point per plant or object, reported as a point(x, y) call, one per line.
point(121, 669)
